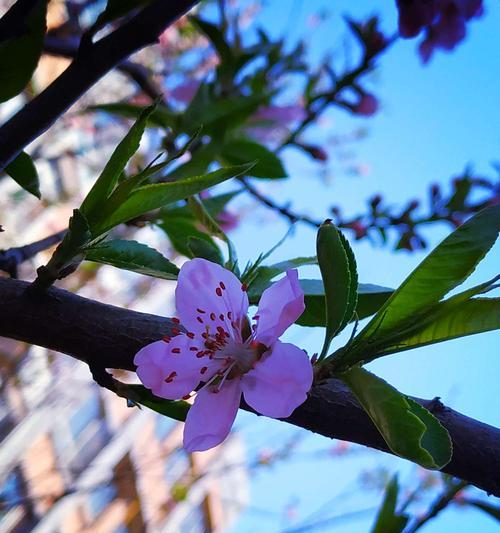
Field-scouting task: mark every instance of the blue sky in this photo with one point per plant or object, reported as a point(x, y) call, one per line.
point(433, 121)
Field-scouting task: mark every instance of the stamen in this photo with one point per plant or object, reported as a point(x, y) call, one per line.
point(190, 334)
point(218, 291)
point(175, 331)
point(176, 320)
point(200, 310)
point(222, 286)
point(175, 350)
point(221, 316)
point(170, 377)
point(193, 349)
point(244, 287)
point(166, 338)
point(230, 315)
point(212, 316)
point(203, 369)
point(200, 320)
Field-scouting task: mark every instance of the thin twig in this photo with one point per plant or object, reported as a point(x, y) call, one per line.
point(11, 259)
point(282, 210)
point(438, 505)
point(140, 74)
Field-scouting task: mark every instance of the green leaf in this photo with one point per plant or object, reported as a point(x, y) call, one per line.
point(268, 164)
point(336, 274)
point(160, 116)
point(205, 249)
point(19, 55)
point(215, 36)
point(388, 521)
point(259, 278)
point(451, 321)
point(176, 409)
point(154, 196)
point(408, 429)
point(106, 182)
point(446, 267)
point(134, 256)
point(353, 286)
point(219, 116)
point(369, 299)
point(178, 229)
point(23, 171)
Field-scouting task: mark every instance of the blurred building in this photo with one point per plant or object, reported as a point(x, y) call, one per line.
point(74, 458)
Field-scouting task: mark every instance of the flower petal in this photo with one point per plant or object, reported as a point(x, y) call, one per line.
point(211, 417)
point(279, 307)
point(209, 295)
point(169, 374)
point(279, 382)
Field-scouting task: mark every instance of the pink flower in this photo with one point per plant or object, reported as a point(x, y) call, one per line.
point(228, 355)
point(367, 105)
point(185, 92)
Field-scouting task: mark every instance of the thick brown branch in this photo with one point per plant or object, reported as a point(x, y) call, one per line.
point(91, 64)
point(108, 336)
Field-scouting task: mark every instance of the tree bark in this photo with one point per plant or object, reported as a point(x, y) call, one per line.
point(108, 336)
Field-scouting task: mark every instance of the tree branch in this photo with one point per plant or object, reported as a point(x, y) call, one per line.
point(11, 259)
point(108, 336)
point(92, 63)
point(138, 73)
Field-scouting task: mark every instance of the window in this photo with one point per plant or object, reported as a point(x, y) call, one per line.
point(99, 499)
point(90, 410)
point(176, 464)
point(195, 521)
point(163, 426)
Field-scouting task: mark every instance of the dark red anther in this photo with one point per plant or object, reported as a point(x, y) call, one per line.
point(175, 350)
point(166, 339)
point(230, 315)
point(222, 286)
point(256, 317)
point(200, 311)
point(221, 330)
point(190, 334)
point(193, 349)
point(176, 320)
point(200, 354)
point(175, 331)
point(170, 377)
point(244, 287)
point(200, 320)
point(213, 316)
point(221, 316)
point(186, 397)
point(218, 291)
point(203, 369)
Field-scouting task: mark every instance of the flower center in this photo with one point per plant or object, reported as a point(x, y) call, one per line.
point(241, 356)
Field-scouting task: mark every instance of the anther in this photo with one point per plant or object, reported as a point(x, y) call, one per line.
point(200, 310)
point(230, 315)
point(170, 377)
point(221, 316)
point(175, 350)
point(190, 334)
point(176, 320)
point(218, 291)
point(213, 316)
point(175, 331)
point(200, 320)
point(166, 339)
point(244, 287)
point(194, 349)
point(222, 286)
point(203, 369)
